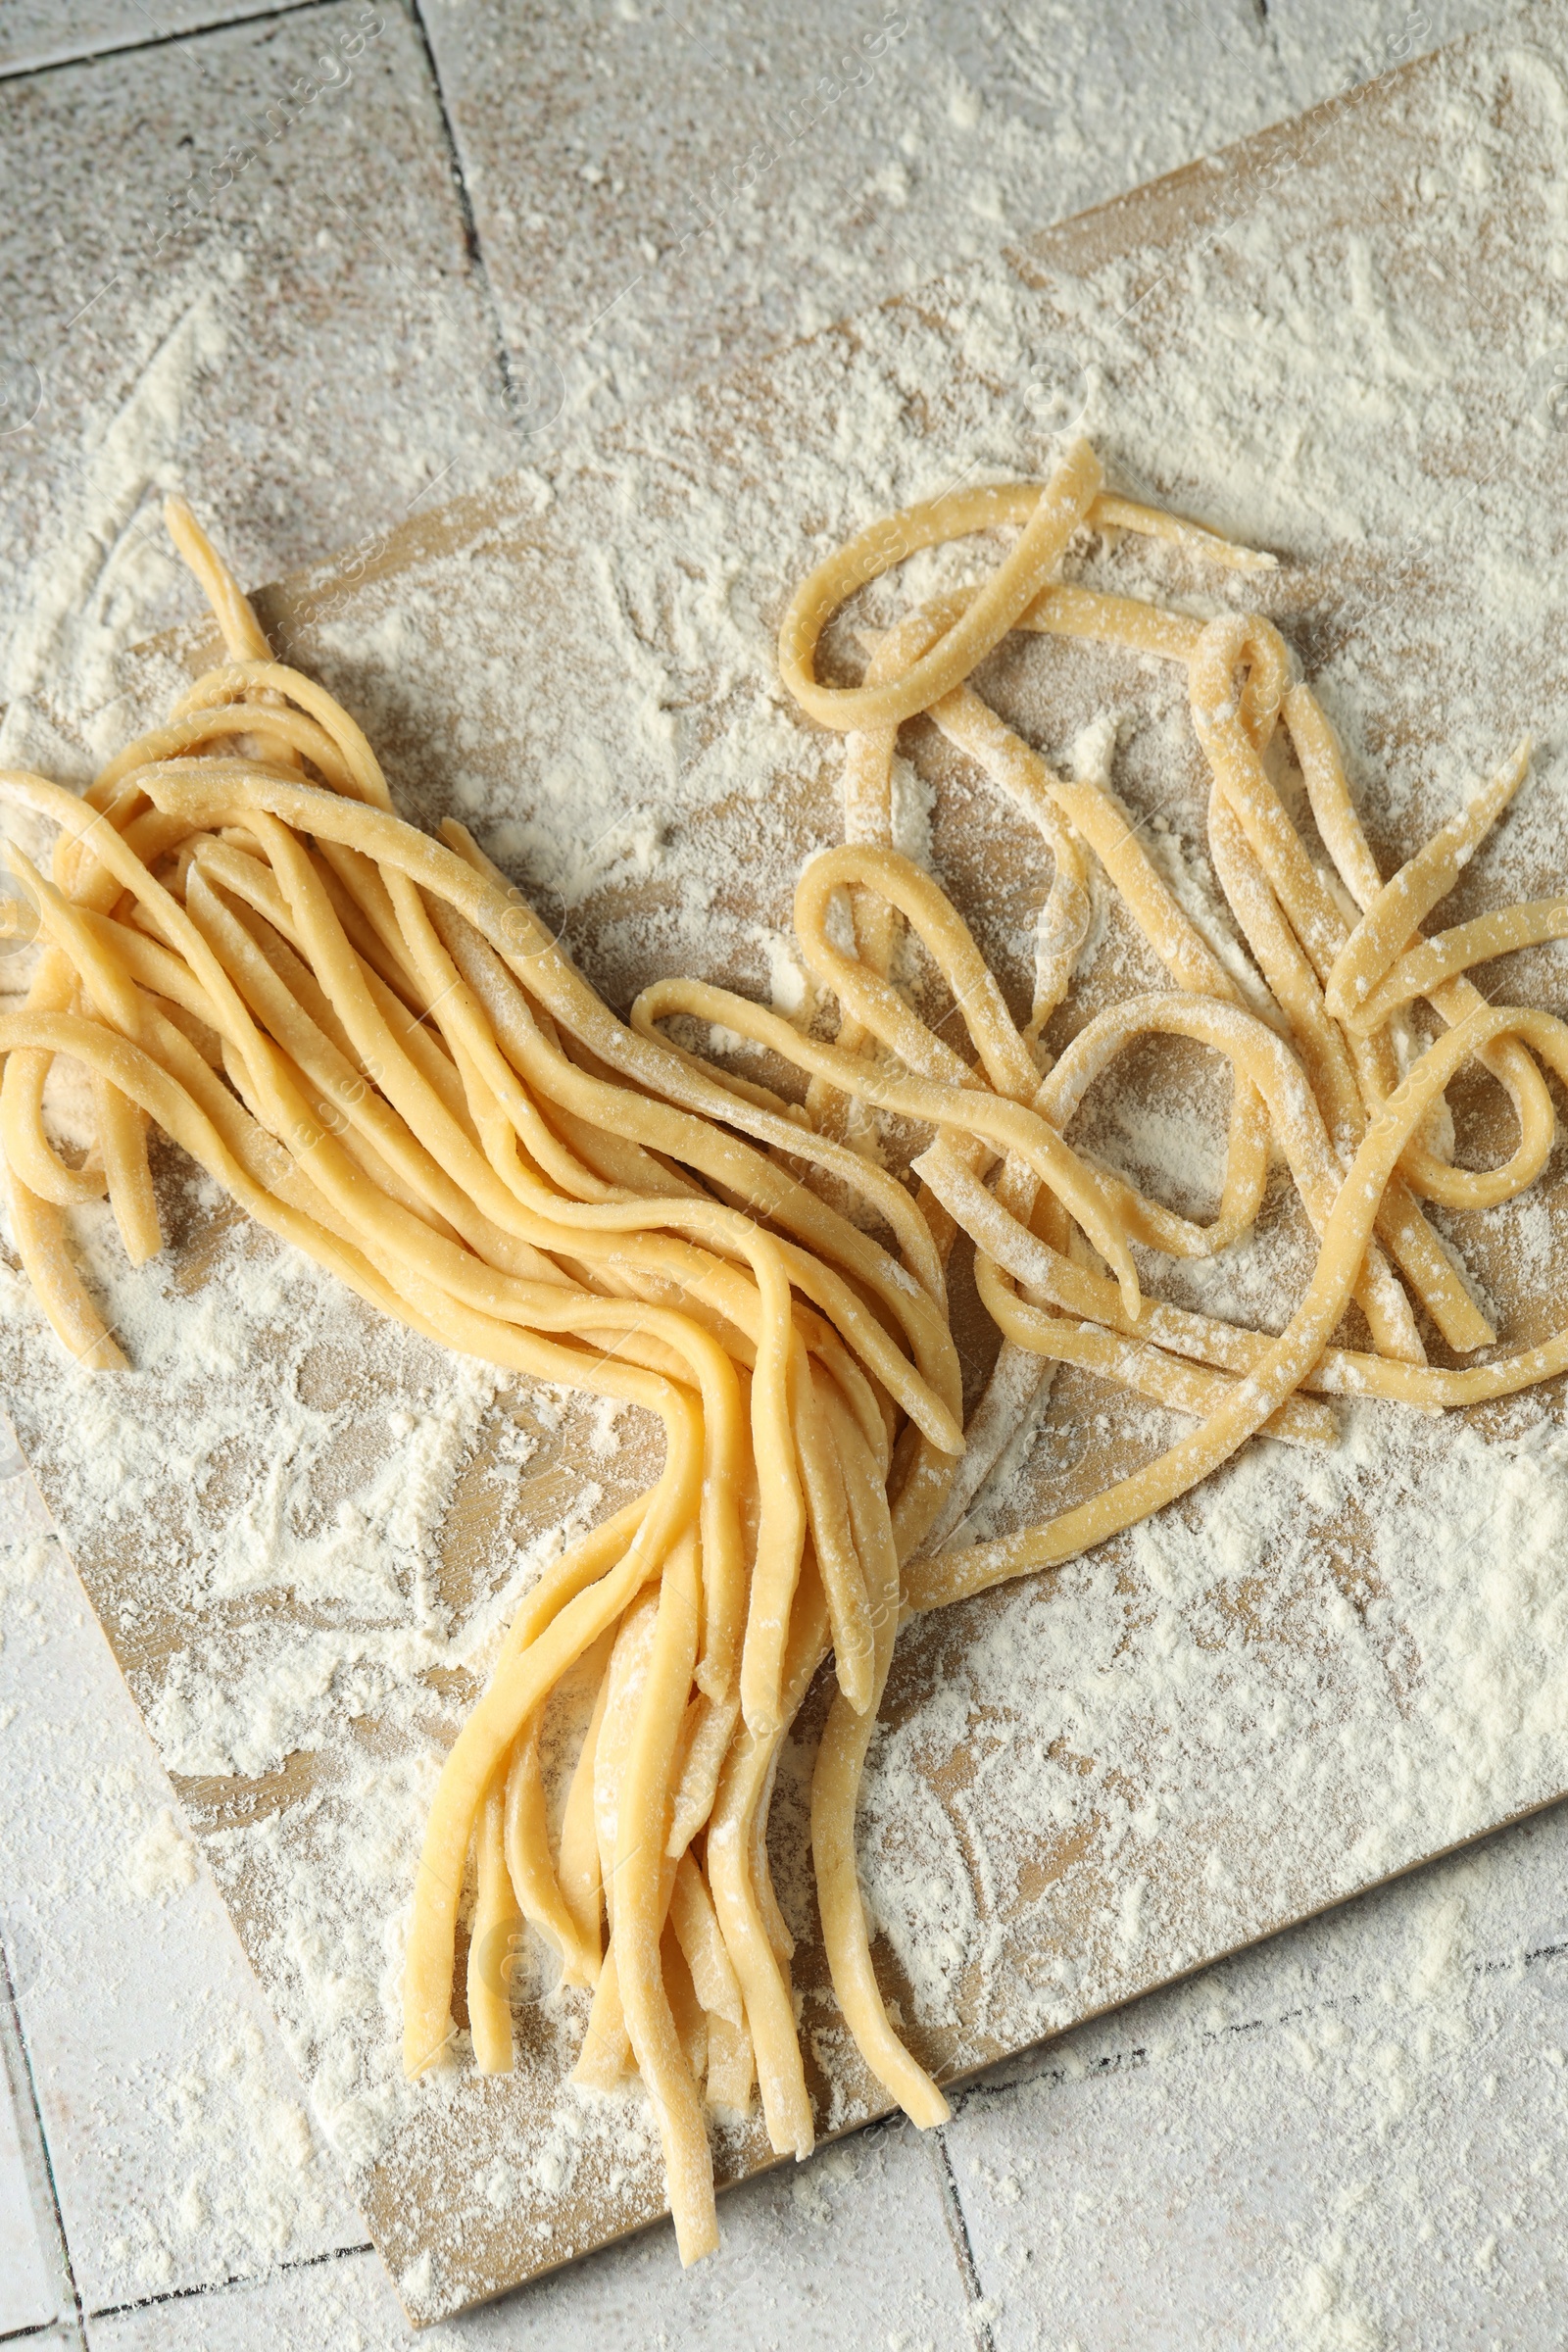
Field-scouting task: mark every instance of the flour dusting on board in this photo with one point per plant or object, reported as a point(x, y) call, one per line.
point(305, 1530)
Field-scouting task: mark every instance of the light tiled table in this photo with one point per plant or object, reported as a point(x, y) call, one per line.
point(1353, 2137)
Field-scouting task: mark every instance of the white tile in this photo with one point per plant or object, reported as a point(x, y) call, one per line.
point(176, 2124)
point(28, 2294)
point(1324, 44)
point(171, 2112)
point(298, 340)
point(1354, 2138)
point(650, 213)
point(35, 33)
point(847, 2250)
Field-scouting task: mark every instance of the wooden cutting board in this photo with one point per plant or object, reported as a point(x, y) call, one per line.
point(1336, 341)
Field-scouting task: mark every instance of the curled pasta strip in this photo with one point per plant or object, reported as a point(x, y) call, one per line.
point(1050, 513)
point(1168, 1380)
point(1241, 684)
point(1323, 932)
point(998, 1121)
point(1017, 1376)
point(1404, 901)
point(1424, 969)
point(1285, 1362)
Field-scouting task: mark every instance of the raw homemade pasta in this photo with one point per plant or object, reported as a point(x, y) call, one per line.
point(369, 1038)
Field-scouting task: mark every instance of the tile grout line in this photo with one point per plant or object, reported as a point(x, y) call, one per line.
point(59, 63)
point(962, 2245)
point(226, 2286)
point(17, 2057)
point(15, 1465)
point(980, 2091)
point(470, 226)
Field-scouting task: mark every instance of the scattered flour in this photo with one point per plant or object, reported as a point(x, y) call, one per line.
point(162, 1859)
